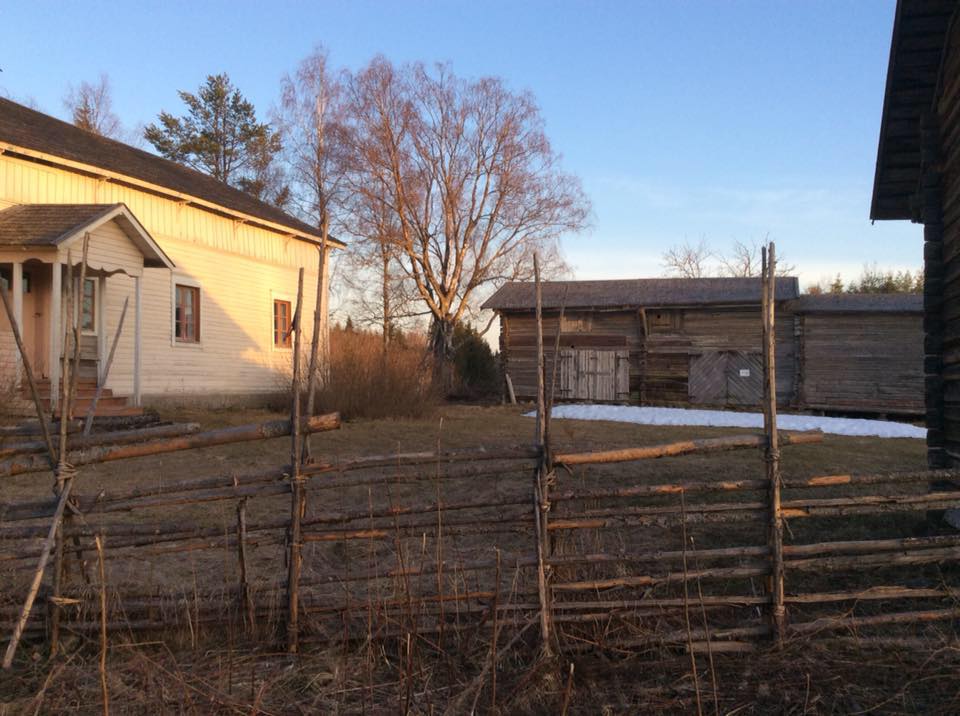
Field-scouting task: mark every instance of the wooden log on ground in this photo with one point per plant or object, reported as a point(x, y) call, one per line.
point(212, 438)
point(684, 447)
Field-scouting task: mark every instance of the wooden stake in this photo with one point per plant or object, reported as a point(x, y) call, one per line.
point(102, 381)
point(772, 453)
point(539, 475)
point(37, 575)
point(297, 489)
point(313, 372)
point(103, 627)
point(246, 598)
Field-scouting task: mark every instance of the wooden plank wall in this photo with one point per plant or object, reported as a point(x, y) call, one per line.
point(862, 362)
point(940, 213)
point(583, 329)
point(659, 366)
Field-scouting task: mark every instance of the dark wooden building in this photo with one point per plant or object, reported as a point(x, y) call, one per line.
point(918, 178)
point(698, 342)
point(859, 353)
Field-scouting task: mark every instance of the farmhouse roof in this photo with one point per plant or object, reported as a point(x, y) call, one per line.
point(54, 225)
point(914, 81)
point(645, 292)
point(22, 128)
point(859, 303)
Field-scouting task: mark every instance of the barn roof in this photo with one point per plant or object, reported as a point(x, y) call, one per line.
point(27, 129)
point(859, 303)
point(638, 292)
point(913, 83)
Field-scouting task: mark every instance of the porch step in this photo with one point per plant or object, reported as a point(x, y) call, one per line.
point(108, 405)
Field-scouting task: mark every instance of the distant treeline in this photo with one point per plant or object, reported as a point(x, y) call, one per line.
point(873, 280)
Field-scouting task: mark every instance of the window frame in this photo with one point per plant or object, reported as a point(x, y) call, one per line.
point(94, 306)
point(278, 342)
point(189, 283)
point(286, 298)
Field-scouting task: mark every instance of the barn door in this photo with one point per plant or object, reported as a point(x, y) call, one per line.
point(744, 378)
point(726, 378)
point(591, 374)
point(707, 382)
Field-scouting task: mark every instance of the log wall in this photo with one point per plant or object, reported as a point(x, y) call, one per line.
point(853, 362)
point(940, 213)
point(861, 362)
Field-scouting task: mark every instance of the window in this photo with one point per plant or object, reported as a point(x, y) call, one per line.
point(186, 320)
point(89, 318)
point(282, 319)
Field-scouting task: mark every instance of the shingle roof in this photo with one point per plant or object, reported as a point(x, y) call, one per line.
point(638, 292)
point(24, 127)
point(46, 224)
point(859, 303)
point(38, 225)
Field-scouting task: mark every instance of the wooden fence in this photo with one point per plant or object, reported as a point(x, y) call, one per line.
point(493, 544)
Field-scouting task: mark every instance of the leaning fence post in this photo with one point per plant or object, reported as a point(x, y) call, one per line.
point(540, 496)
point(296, 486)
point(772, 452)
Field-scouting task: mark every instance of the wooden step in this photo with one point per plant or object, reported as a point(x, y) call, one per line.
point(82, 392)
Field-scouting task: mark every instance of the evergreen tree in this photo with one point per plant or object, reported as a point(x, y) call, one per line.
point(221, 136)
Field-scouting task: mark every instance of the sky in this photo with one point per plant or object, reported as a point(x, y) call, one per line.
point(719, 121)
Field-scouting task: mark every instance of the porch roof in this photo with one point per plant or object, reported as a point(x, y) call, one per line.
point(57, 225)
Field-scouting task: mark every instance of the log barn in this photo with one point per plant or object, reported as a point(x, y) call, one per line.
point(917, 178)
point(698, 342)
point(860, 353)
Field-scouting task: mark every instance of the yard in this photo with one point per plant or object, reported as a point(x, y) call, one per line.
point(199, 668)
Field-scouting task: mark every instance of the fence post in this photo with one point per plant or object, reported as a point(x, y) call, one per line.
point(772, 452)
point(296, 486)
point(246, 598)
point(540, 490)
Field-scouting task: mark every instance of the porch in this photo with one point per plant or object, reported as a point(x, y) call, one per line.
point(40, 247)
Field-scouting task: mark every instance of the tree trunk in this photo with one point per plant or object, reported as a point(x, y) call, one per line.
point(441, 347)
point(385, 296)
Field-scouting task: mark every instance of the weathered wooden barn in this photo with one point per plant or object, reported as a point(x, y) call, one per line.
point(859, 353)
point(698, 342)
point(918, 178)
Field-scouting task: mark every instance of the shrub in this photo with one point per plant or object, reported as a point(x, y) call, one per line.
point(367, 382)
point(475, 366)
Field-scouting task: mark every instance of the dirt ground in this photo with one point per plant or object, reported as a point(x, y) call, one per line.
point(200, 675)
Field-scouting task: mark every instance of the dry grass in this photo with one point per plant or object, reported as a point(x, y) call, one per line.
point(366, 381)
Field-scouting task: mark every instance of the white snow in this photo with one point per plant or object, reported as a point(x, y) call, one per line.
point(721, 418)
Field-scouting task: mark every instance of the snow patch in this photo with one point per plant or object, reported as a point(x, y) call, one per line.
point(856, 427)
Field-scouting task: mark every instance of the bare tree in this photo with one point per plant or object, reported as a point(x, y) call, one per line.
point(744, 260)
point(468, 175)
point(91, 107)
point(687, 260)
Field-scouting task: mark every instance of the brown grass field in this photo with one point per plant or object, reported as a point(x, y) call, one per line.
point(204, 670)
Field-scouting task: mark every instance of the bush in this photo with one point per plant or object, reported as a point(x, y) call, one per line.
point(366, 382)
point(476, 371)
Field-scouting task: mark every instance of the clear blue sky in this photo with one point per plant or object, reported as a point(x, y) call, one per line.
point(720, 120)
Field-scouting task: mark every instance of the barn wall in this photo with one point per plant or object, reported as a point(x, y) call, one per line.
point(659, 365)
point(582, 329)
point(862, 362)
point(940, 213)
point(678, 334)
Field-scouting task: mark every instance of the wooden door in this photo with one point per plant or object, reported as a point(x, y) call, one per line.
point(744, 378)
point(726, 378)
point(707, 381)
point(595, 375)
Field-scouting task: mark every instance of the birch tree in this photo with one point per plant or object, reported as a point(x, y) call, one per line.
point(467, 174)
